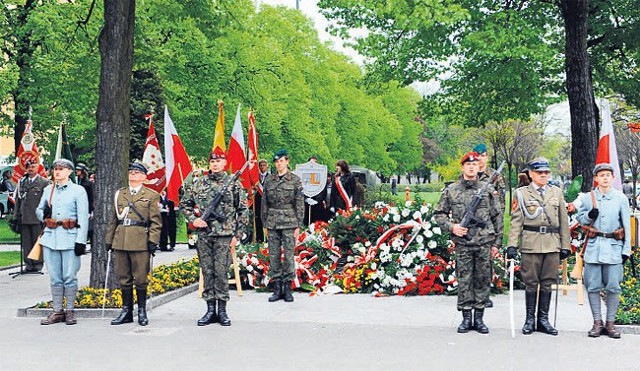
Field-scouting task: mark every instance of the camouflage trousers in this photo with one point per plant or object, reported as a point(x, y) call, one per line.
point(279, 239)
point(214, 255)
point(473, 269)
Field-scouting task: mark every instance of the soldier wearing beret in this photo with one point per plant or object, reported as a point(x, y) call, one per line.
point(133, 235)
point(216, 235)
point(472, 244)
point(606, 210)
point(540, 224)
point(64, 209)
point(28, 195)
point(282, 215)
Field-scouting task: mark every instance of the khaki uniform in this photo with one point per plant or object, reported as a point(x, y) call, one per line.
point(129, 234)
point(541, 226)
point(28, 196)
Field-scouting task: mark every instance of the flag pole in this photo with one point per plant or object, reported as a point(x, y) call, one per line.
point(253, 206)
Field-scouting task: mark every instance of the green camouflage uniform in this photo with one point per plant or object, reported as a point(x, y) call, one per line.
point(473, 257)
point(499, 185)
point(213, 244)
point(282, 212)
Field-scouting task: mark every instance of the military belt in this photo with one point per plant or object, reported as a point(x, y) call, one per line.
point(541, 229)
point(132, 223)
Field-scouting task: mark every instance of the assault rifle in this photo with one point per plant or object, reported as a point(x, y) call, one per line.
point(210, 212)
point(469, 217)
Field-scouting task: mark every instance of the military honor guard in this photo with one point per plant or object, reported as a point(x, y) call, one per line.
point(540, 226)
point(64, 209)
point(282, 215)
point(473, 243)
point(217, 233)
point(604, 214)
point(133, 235)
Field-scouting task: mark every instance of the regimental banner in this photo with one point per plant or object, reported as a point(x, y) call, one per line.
point(314, 177)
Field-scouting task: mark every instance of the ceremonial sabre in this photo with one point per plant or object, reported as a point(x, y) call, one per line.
point(151, 289)
point(511, 318)
point(106, 281)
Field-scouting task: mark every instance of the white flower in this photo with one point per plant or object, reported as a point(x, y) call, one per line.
point(357, 217)
point(386, 218)
point(437, 230)
point(428, 233)
point(367, 243)
point(249, 268)
point(432, 244)
point(350, 258)
point(393, 210)
point(396, 218)
point(426, 225)
point(405, 212)
point(424, 209)
point(417, 215)
point(419, 239)
point(374, 266)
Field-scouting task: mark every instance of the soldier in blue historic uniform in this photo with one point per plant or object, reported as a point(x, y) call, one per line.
point(64, 209)
point(282, 215)
point(216, 236)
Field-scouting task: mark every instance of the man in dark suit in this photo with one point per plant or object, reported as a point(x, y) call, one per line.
point(168, 212)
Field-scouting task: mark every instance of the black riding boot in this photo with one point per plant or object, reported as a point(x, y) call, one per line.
point(222, 313)
point(142, 307)
point(277, 292)
point(466, 324)
point(530, 301)
point(478, 323)
point(286, 291)
point(210, 316)
point(543, 324)
point(126, 316)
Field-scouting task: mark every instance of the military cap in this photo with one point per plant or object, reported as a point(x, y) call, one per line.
point(217, 154)
point(601, 167)
point(480, 148)
point(82, 167)
point(280, 154)
point(62, 162)
point(539, 164)
point(138, 166)
point(469, 157)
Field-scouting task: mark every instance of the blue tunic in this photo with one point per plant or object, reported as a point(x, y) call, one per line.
point(69, 202)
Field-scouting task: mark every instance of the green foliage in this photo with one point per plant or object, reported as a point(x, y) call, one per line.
point(574, 189)
point(8, 258)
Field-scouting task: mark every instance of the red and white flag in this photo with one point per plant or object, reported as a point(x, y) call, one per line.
point(236, 155)
point(607, 150)
point(27, 152)
point(177, 162)
point(152, 158)
point(253, 171)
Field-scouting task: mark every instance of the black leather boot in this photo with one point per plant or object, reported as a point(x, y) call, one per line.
point(126, 316)
point(286, 291)
point(277, 292)
point(466, 324)
point(222, 313)
point(142, 307)
point(529, 323)
point(478, 323)
point(543, 324)
point(211, 316)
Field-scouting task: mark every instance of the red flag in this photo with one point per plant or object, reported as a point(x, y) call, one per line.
point(235, 156)
point(152, 158)
point(253, 171)
point(177, 162)
point(27, 152)
point(607, 150)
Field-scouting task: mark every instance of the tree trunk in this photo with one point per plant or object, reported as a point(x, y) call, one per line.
point(113, 122)
point(584, 120)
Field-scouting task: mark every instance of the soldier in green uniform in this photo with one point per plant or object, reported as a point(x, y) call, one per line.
point(499, 188)
point(133, 235)
point(539, 222)
point(472, 244)
point(217, 235)
point(282, 214)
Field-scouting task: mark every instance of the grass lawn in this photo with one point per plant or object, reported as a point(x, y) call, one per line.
point(9, 258)
point(6, 235)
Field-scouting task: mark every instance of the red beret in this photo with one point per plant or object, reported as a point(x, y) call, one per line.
point(469, 157)
point(217, 154)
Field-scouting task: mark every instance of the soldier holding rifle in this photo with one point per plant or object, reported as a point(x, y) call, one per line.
point(609, 246)
point(469, 210)
point(539, 221)
point(224, 203)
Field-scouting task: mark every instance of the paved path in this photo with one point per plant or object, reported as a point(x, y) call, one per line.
point(336, 332)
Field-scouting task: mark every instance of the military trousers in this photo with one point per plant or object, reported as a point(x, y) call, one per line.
point(473, 269)
point(279, 240)
point(132, 267)
point(214, 255)
point(539, 269)
point(28, 236)
point(603, 276)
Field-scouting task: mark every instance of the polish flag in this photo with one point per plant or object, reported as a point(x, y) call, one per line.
point(253, 171)
point(177, 162)
point(27, 152)
point(607, 150)
point(236, 157)
point(152, 158)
